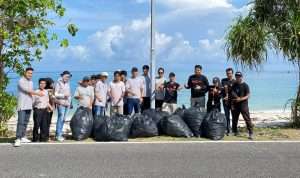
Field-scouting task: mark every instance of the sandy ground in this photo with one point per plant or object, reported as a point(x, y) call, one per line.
point(260, 119)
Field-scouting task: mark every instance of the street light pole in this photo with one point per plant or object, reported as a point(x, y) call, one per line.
point(152, 54)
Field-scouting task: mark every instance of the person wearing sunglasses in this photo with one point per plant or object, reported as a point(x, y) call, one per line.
point(159, 89)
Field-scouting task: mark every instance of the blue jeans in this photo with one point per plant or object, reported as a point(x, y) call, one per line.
point(99, 111)
point(133, 103)
point(23, 119)
point(62, 112)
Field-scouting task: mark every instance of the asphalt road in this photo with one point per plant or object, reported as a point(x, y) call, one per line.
point(174, 160)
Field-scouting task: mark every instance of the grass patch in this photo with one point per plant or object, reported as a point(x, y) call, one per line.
point(261, 134)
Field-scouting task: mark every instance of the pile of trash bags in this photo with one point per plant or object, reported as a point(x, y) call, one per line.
point(184, 122)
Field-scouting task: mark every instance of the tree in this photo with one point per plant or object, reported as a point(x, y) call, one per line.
point(269, 25)
point(24, 35)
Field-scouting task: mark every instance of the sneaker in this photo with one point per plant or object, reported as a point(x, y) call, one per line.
point(25, 140)
point(17, 143)
point(236, 134)
point(251, 137)
point(60, 139)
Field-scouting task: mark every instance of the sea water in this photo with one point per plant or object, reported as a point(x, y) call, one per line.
point(270, 90)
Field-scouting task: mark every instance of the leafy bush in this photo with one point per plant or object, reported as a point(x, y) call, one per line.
point(7, 110)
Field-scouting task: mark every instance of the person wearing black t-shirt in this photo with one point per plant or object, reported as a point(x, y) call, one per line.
point(227, 84)
point(171, 88)
point(199, 85)
point(214, 96)
point(240, 96)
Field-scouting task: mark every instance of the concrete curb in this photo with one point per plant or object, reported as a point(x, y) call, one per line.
point(155, 142)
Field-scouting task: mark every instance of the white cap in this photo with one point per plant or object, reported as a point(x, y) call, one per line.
point(104, 74)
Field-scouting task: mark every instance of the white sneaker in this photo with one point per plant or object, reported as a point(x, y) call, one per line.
point(17, 143)
point(25, 140)
point(60, 139)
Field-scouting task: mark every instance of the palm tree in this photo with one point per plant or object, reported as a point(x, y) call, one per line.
point(270, 24)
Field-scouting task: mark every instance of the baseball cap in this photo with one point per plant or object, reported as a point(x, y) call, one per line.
point(86, 79)
point(105, 74)
point(238, 74)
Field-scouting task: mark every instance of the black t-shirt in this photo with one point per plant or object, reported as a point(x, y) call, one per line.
point(240, 90)
point(198, 85)
point(214, 97)
point(229, 84)
point(171, 92)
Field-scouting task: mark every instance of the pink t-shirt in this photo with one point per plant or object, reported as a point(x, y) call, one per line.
point(116, 91)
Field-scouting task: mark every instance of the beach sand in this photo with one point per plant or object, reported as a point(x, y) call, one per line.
point(260, 119)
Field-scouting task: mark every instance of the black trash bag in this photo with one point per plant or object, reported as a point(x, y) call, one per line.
point(214, 125)
point(193, 117)
point(98, 122)
point(115, 128)
point(180, 111)
point(157, 116)
point(174, 126)
point(82, 123)
point(143, 126)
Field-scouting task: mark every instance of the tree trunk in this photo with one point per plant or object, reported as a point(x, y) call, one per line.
point(296, 104)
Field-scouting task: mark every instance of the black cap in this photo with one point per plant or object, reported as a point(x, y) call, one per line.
point(86, 79)
point(66, 73)
point(238, 74)
point(172, 74)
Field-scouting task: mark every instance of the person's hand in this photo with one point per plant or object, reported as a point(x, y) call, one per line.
point(215, 90)
point(226, 98)
point(40, 94)
point(238, 99)
point(141, 100)
point(90, 107)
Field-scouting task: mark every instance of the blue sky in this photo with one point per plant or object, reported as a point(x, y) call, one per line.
point(114, 34)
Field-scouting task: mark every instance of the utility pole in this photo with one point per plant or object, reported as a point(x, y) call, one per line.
point(152, 54)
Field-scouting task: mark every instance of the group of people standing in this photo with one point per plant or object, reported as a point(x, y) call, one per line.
point(125, 95)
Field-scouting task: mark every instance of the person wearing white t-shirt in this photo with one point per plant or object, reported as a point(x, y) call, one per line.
point(101, 91)
point(116, 91)
point(135, 91)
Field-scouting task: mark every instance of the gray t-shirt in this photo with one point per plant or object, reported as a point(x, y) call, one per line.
point(87, 95)
point(147, 86)
point(25, 100)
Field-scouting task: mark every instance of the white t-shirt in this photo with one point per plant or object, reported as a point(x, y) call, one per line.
point(117, 91)
point(159, 94)
point(135, 86)
point(86, 94)
point(101, 90)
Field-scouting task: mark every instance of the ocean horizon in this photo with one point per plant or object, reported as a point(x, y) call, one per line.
point(270, 90)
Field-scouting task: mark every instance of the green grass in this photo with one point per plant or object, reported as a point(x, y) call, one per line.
point(261, 134)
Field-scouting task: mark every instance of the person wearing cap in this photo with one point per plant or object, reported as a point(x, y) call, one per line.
point(241, 94)
point(101, 95)
point(147, 86)
point(227, 84)
point(171, 88)
point(116, 92)
point(135, 91)
point(123, 74)
point(159, 88)
point(24, 108)
point(199, 86)
point(214, 95)
point(63, 97)
point(84, 94)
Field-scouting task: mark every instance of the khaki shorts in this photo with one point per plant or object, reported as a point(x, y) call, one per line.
point(116, 110)
point(169, 107)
